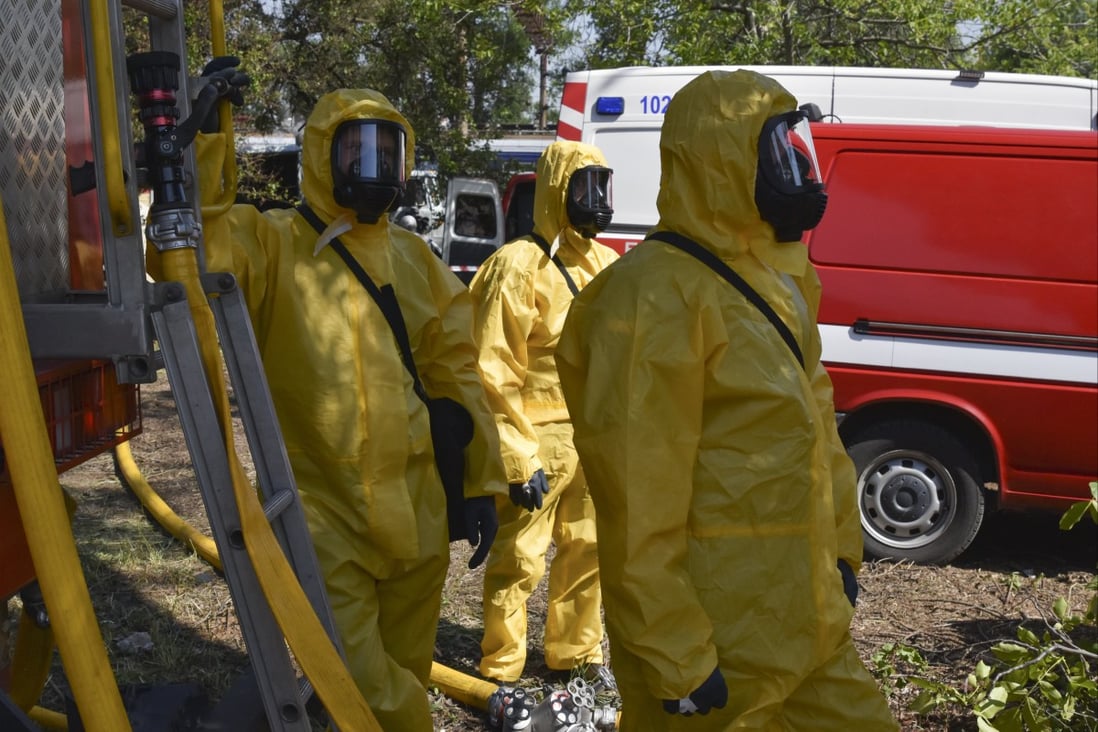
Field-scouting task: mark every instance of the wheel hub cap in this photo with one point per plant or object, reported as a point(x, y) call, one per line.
point(905, 498)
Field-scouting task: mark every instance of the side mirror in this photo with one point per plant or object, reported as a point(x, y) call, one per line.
point(812, 111)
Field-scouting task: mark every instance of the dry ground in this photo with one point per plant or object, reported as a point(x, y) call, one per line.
point(143, 582)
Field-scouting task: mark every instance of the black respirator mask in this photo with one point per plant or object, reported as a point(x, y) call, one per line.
point(368, 167)
point(788, 191)
point(590, 200)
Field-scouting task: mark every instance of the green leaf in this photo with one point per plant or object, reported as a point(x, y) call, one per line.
point(999, 694)
point(924, 703)
point(1050, 692)
point(1032, 715)
point(1011, 653)
point(984, 726)
point(1011, 721)
point(1075, 512)
point(1028, 636)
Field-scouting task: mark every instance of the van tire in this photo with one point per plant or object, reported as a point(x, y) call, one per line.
point(918, 492)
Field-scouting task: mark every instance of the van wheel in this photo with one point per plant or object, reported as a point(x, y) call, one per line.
point(918, 492)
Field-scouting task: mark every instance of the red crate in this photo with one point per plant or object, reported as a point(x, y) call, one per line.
point(87, 412)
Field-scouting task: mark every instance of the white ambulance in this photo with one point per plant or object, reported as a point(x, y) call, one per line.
point(959, 258)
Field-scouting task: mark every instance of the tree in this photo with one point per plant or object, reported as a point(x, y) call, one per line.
point(546, 25)
point(1041, 37)
point(459, 71)
point(455, 70)
point(1046, 36)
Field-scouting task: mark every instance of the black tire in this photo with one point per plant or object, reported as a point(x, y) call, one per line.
point(918, 492)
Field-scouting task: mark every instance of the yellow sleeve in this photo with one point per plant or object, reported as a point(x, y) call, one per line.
point(504, 313)
point(447, 360)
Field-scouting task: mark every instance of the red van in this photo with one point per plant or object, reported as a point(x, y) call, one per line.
point(960, 323)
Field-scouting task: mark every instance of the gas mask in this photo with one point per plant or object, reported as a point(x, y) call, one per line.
point(590, 203)
point(788, 191)
point(368, 167)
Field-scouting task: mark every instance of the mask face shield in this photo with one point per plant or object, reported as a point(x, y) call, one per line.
point(592, 188)
point(590, 203)
point(787, 156)
point(789, 193)
point(368, 167)
point(368, 151)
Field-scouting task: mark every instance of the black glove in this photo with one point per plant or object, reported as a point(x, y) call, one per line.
point(230, 81)
point(226, 81)
point(529, 494)
point(482, 524)
point(713, 693)
point(850, 582)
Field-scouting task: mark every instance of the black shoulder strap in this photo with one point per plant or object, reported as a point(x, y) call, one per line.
point(720, 267)
point(385, 297)
point(540, 241)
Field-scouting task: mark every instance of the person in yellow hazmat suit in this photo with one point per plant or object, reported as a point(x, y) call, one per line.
point(357, 434)
point(729, 535)
point(521, 295)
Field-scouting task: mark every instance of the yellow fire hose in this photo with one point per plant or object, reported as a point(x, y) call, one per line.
point(462, 687)
point(49, 719)
point(160, 511)
point(45, 518)
point(455, 684)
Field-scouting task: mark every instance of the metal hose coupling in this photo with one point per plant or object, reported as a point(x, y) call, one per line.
point(564, 710)
point(510, 709)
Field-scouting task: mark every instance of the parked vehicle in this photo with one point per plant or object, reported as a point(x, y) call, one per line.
point(960, 272)
point(960, 323)
point(463, 229)
point(473, 225)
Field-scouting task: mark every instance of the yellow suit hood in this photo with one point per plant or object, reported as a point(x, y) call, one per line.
point(555, 168)
point(331, 110)
point(709, 152)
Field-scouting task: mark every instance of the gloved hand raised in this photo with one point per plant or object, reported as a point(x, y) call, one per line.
point(529, 494)
point(850, 582)
point(225, 80)
point(482, 525)
point(230, 81)
point(713, 693)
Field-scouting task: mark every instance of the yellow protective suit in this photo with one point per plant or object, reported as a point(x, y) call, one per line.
point(723, 494)
point(357, 436)
point(521, 299)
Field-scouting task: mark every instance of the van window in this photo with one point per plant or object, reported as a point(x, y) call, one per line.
point(634, 154)
point(964, 214)
point(474, 233)
point(475, 216)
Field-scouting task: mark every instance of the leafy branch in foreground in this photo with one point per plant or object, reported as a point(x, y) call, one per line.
point(1035, 682)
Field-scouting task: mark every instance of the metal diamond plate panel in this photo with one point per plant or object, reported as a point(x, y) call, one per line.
point(32, 143)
